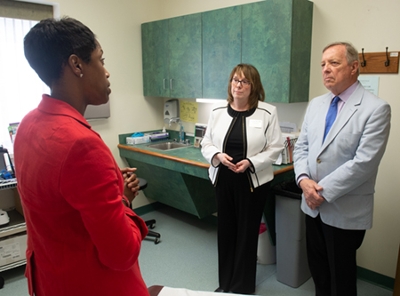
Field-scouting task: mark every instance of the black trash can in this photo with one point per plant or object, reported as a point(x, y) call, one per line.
point(291, 255)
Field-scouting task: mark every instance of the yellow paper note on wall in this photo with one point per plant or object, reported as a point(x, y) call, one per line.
point(188, 111)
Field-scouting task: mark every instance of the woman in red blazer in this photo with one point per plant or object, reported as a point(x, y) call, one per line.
point(83, 237)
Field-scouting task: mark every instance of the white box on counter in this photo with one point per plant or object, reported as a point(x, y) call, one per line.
point(12, 249)
point(146, 138)
point(138, 140)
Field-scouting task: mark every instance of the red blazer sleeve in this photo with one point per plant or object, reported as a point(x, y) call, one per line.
point(92, 183)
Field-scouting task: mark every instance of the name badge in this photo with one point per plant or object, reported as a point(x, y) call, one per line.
point(255, 123)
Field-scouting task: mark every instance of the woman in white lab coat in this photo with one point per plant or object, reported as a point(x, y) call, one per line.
point(242, 141)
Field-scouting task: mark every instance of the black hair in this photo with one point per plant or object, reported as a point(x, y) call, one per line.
point(50, 43)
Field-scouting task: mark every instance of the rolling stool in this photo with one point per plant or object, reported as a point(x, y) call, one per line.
point(150, 223)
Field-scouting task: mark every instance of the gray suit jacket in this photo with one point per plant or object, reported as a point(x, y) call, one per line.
point(346, 164)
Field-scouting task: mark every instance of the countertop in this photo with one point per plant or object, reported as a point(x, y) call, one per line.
point(187, 155)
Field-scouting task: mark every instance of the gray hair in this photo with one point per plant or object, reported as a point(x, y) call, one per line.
point(351, 52)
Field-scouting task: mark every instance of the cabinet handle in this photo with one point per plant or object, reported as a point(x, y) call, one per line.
point(163, 83)
point(170, 84)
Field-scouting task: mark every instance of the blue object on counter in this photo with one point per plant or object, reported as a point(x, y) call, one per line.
point(4, 174)
point(135, 135)
point(181, 134)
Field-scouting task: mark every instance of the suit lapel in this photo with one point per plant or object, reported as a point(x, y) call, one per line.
point(321, 116)
point(349, 108)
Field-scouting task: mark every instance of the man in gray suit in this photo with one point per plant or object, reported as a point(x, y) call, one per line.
point(337, 173)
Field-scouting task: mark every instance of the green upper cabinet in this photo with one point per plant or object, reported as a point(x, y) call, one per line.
point(155, 59)
point(221, 49)
point(171, 56)
point(185, 56)
point(276, 39)
point(192, 56)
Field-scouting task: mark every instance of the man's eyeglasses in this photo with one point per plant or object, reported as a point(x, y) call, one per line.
point(244, 82)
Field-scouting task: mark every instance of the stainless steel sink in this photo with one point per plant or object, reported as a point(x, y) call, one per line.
point(168, 145)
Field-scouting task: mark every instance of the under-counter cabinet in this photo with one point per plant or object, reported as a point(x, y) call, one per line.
point(272, 35)
point(171, 56)
point(13, 235)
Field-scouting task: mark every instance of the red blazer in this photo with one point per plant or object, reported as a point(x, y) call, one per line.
point(82, 240)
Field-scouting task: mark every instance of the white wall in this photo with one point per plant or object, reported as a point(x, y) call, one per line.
point(367, 24)
point(117, 27)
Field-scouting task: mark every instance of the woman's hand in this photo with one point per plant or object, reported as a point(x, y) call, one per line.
point(242, 166)
point(131, 184)
point(225, 159)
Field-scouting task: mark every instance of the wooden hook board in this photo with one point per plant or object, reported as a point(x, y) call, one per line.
point(375, 62)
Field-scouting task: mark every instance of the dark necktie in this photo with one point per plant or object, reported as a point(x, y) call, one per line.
point(331, 116)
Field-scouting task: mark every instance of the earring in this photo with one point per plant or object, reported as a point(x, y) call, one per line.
point(81, 75)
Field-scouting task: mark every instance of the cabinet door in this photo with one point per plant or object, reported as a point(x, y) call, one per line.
point(185, 56)
point(276, 39)
point(221, 49)
point(300, 51)
point(155, 59)
point(266, 45)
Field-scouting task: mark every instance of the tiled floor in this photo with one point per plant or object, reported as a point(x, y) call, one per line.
point(187, 258)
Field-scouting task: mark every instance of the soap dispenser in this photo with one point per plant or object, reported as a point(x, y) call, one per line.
point(171, 109)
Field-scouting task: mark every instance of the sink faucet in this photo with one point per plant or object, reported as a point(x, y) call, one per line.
point(172, 120)
point(179, 121)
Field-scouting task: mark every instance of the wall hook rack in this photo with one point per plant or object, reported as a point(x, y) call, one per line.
point(363, 62)
point(379, 62)
point(387, 63)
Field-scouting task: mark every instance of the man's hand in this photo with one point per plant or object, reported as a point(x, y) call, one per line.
point(311, 193)
point(131, 184)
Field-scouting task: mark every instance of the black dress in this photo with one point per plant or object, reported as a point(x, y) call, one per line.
point(240, 209)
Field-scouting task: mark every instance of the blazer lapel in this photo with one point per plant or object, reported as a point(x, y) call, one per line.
point(349, 108)
point(321, 116)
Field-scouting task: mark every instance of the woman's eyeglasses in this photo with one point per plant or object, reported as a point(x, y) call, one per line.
point(244, 82)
